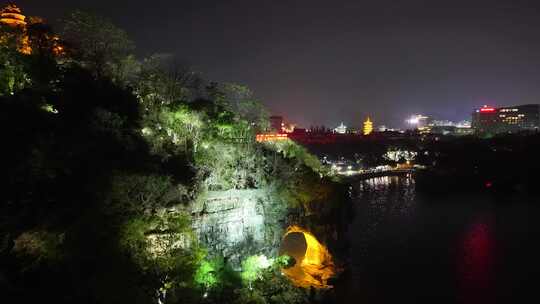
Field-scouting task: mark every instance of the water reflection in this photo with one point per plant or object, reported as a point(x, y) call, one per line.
point(476, 262)
point(412, 248)
point(385, 198)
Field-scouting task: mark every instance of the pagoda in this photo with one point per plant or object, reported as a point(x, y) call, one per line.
point(12, 15)
point(368, 127)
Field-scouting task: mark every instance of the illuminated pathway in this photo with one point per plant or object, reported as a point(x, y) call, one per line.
point(314, 264)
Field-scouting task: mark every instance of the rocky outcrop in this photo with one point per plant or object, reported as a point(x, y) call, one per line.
point(239, 223)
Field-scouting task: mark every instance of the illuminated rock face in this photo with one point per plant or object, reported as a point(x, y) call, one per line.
point(238, 223)
point(314, 264)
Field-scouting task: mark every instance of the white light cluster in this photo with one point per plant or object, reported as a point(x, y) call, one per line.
point(397, 155)
point(417, 119)
point(341, 129)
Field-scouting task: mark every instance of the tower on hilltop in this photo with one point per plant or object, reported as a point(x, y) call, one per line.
point(12, 15)
point(368, 127)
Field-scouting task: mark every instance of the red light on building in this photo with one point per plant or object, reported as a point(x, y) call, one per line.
point(487, 110)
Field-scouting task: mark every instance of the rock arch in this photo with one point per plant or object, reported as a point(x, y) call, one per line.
point(314, 264)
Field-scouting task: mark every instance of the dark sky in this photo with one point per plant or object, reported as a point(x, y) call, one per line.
point(322, 62)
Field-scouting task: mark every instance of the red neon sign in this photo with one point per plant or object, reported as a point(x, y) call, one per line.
point(487, 110)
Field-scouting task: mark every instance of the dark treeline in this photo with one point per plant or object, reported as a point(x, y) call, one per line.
point(506, 163)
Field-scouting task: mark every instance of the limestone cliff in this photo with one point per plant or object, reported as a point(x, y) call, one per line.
point(239, 223)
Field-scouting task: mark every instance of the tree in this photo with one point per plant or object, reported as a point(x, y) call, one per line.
point(240, 100)
point(252, 268)
point(41, 38)
point(13, 74)
point(161, 82)
point(97, 43)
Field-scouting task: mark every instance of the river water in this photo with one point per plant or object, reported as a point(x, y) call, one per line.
point(409, 248)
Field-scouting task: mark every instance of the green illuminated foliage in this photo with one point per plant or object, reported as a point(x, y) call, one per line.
point(253, 266)
point(268, 285)
point(239, 99)
point(13, 68)
point(156, 236)
point(206, 275)
point(173, 130)
point(233, 166)
point(285, 261)
point(165, 251)
point(291, 150)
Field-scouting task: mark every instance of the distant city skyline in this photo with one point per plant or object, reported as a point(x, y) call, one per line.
point(316, 62)
point(404, 124)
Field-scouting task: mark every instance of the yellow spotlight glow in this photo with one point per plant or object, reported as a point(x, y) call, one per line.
point(316, 266)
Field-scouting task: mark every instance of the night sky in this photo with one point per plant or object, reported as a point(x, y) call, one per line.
point(323, 62)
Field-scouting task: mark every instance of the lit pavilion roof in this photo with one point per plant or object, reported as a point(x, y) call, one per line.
point(12, 15)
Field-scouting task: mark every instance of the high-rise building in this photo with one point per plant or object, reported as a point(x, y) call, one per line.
point(489, 120)
point(368, 127)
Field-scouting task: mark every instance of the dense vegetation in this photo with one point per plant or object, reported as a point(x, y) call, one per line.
point(103, 156)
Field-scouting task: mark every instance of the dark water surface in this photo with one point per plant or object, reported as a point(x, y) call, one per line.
point(462, 248)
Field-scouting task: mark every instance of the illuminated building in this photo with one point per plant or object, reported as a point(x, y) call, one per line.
point(288, 128)
point(464, 124)
point(270, 137)
point(368, 127)
point(442, 123)
point(341, 129)
point(464, 130)
point(11, 15)
point(425, 125)
point(490, 121)
point(448, 123)
point(418, 120)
